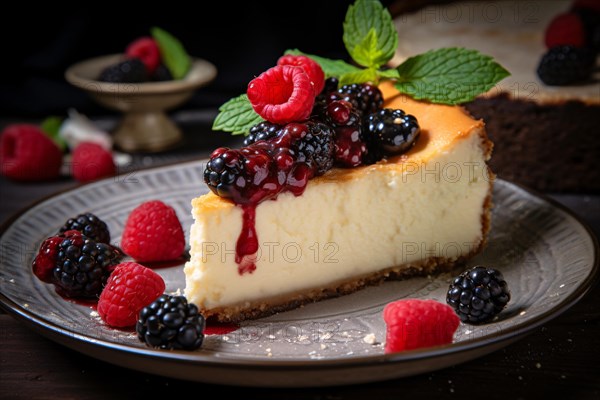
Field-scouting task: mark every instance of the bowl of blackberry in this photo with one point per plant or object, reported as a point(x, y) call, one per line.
point(153, 75)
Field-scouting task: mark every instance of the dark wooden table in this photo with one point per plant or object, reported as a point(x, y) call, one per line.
point(562, 358)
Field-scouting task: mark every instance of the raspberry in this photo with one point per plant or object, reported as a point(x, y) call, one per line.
point(130, 288)
point(27, 154)
point(91, 161)
point(145, 49)
point(153, 233)
point(171, 323)
point(413, 324)
point(311, 67)
point(565, 29)
point(563, 65)
point(478, 294)
point(132, 70)
point(89, 225)
point(282, 94)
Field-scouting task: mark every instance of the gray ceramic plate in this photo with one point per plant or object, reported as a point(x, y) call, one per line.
point(546, 255)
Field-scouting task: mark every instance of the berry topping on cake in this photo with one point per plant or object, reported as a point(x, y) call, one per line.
point(315, 147)
point(262, 131)
point(413, 324)
point(131, 70)
point(479, 294)
point(171, 323)
point(393, 131)
point(564, 65)
point(130, 288)
point(153, 233)
point(282, 94)
point(81, 265)
point(368, 97)
point(91, 161)
point(27, 154)
point(90, 226)
point(145, 49)
point(312, 69)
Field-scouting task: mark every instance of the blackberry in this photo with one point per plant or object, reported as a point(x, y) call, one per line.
point(331, 85)
point(82, 266)
point(170, 322)
point(316, 147)
point(563, 65)
point(350, 147)
point(222, 170)
point(90, 226)
point(392, 131)
point(161, 74)
point(478, 294)
point(128, 71)
point(367, 97)
point(262, 131)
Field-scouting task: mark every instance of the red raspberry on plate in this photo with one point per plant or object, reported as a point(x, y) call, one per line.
point(27, 154)
point(146, 49)
point(153, 233)
point(565, 29)
point(130, 288)
point(91, 161)
point(412, 324)
point(311, 67)
point(282, 94)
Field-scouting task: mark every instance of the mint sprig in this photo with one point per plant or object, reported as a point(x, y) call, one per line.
point(444, 76)
point(51, 127)
point(172, 52)
point(331, 68)
point(236, 116)
point(448, 76)
point(369, 33)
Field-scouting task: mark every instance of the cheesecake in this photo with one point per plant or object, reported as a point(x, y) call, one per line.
point(417, 213)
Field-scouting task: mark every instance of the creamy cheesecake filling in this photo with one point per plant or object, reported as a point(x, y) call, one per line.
point(337, 230)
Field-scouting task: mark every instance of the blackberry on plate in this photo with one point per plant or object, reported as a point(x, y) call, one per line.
point(90, 226)
point(316, 147)
point(393, 131)
point(262, 131)
point(131, 70)
point(368, 97)
point(478, 294)
point(563, 65)
point(222, 170)
point(83, 265)
point(171, 323)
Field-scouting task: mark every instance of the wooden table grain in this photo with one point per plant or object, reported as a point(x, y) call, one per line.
point(561, 358)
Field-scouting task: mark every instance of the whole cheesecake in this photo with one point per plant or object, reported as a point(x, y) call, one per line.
point(414, 214)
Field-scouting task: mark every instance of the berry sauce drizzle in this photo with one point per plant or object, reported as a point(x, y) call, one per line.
point(247, 243)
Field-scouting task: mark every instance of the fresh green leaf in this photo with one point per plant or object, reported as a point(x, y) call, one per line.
point(172, 52)
point(389, 73)
point(331, 68)
point(51, 126)
point(449, 75)
point(363, 18)
point(236, 116)
point(362, 76)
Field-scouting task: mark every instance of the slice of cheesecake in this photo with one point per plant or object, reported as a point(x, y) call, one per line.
point(415, 214)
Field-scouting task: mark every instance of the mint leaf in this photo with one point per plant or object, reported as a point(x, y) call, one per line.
point(331, 68)
point(389, 74)
point(362, 76)
point(449, 76)
point(363, 19)
point(236, 116)
point(51, 126)
point(172, 53)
